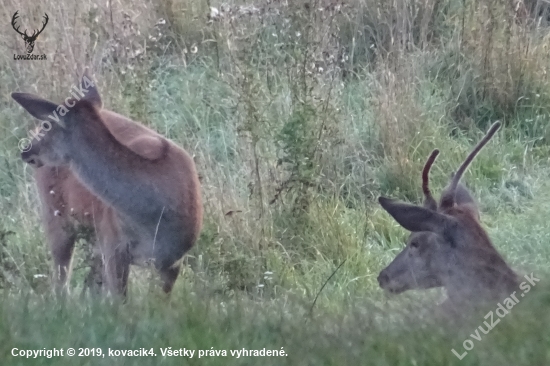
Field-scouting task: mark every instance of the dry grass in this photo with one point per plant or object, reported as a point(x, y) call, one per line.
point(299, 114)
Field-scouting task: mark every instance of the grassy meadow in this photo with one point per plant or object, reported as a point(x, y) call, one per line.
point(299, 114)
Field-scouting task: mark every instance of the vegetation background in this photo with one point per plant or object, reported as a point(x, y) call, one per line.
point(299, 114)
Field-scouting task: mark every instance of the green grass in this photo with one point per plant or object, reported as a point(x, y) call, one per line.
point(365, 333)
point(297, 121)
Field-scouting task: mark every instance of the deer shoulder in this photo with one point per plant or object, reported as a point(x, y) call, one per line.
point(139, 139)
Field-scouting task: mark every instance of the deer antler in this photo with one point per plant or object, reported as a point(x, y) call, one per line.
point(449, 201)
point(13, 20)
point(34, 34)
point(429, 201)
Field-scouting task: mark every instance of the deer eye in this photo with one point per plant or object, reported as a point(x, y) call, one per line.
point(414, 244)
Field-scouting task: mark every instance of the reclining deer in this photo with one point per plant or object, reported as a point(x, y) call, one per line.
point(141, 191)
point(447, 246)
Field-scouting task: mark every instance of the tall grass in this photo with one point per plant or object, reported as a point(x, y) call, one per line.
point(298, 114)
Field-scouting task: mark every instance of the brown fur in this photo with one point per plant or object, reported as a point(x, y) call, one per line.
point(68, 208)
point(141, 190)
point(447, 246)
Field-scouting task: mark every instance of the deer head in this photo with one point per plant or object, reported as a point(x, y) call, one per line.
point(447, 246)
point(51, 148)
point(29, 40)
point(42, 151)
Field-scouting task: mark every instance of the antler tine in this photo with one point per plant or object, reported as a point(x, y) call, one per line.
point(429, 201)
point(454, 183)
point(43, 26)
point(46, 22)
point(14, 20)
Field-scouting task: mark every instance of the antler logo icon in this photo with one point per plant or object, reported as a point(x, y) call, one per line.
point(29, 40)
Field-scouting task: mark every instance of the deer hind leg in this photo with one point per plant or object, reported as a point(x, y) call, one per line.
point(61, 240)
point(168, 255)
point(94, 279)
point(168, 276)
point(117, 268)
point(116, 257)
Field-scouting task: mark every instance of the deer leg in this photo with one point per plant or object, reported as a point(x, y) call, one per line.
point(168, 256)
point(116, 257)
point(61, 241)
point(116, 268)
point(168, 276)
point(94, 279)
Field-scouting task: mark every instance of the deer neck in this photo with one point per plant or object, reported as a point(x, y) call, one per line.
point(108, 169)
point(482, 275)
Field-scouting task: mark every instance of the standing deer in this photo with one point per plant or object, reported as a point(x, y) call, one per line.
point(69, 209)
point(146, 188)
point(447, 246)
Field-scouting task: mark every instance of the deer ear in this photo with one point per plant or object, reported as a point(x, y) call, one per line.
point(415, 218)
point(89, 87)
point(36, 106)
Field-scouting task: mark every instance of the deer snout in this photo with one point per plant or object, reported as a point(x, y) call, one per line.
point(388, 284)
point(31, 158)
point(383, 279)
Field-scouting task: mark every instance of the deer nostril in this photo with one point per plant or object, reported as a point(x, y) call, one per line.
point(31, 159)
point(383, 279)
point(27, 158)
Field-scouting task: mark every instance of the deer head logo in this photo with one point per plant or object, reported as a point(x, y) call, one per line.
point(29, 40)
